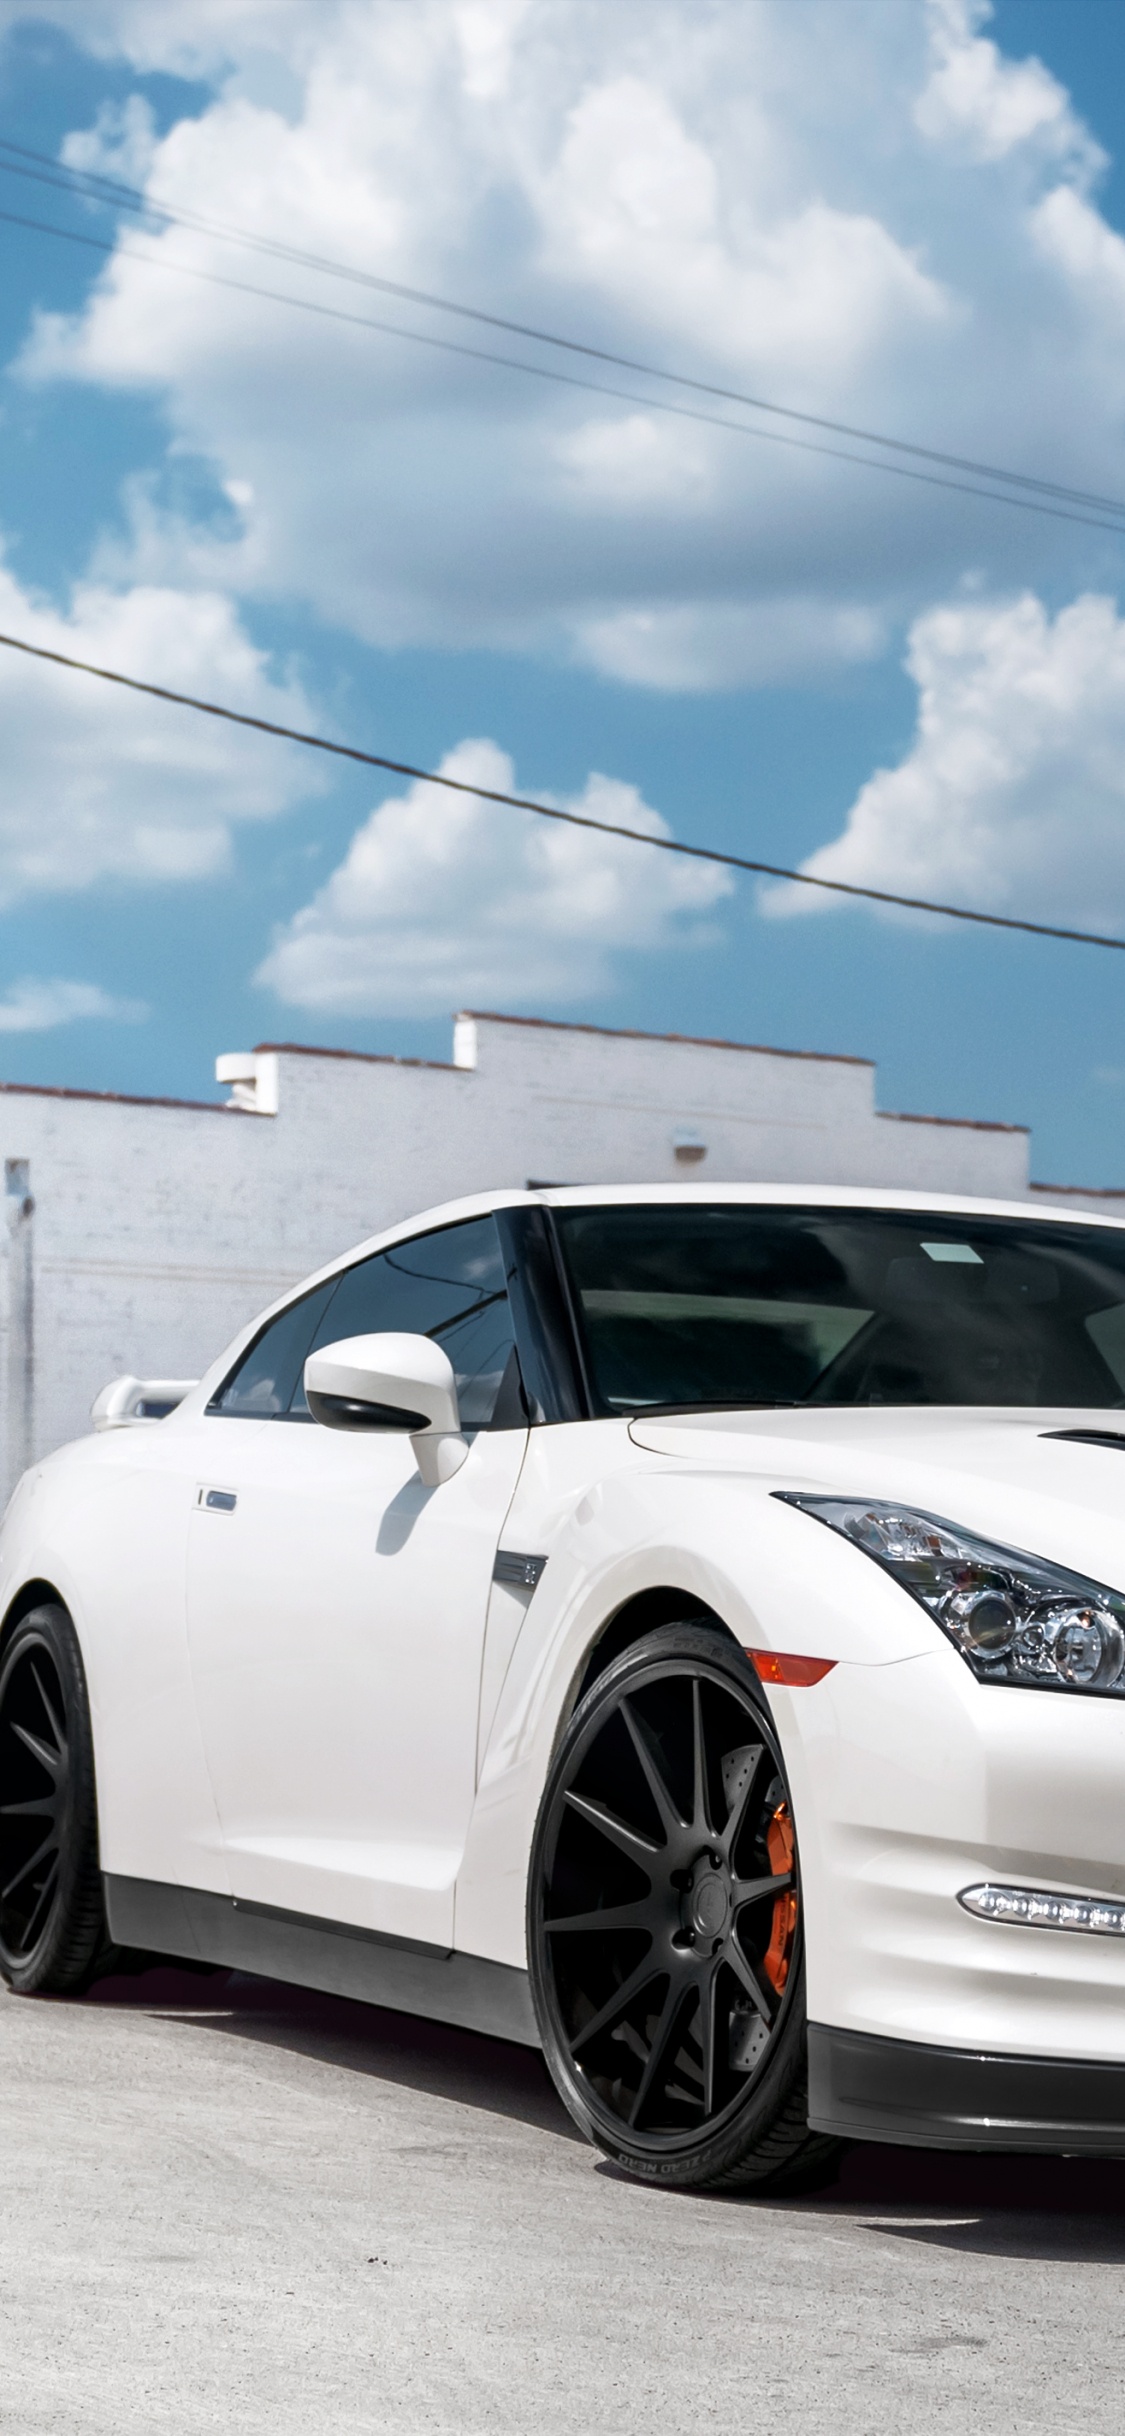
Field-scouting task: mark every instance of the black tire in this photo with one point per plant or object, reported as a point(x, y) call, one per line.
point(674, 2028)
point(52, 1913)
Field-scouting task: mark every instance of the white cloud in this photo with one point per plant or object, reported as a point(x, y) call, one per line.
point(636, 202)
point(701, 644)
point(866, 212)
point(40, 1006)
point(443, 899)
point(102, 784)
point(1012, 796)
point(120, 144)
point(636, 461)
point(993, 105)
point(1071, 234)
point(196, 38)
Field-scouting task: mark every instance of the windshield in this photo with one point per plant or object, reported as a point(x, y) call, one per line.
point(731, 1304)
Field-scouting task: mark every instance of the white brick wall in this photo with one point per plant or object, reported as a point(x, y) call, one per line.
point(160, 1227)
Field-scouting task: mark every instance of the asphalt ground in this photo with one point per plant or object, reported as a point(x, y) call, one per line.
point(228, 2205)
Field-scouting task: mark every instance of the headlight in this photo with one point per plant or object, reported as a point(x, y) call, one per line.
point(1014, 1618)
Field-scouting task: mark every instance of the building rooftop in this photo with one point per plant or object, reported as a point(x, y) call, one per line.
point(120, 1099)
point(683, 1040)
point(898, 1116)
point(361, 1057)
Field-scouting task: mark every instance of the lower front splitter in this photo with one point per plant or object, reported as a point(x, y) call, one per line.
point(863, 2087)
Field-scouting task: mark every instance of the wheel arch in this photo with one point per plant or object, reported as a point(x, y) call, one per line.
point(35, 1593)
point(629, 1623)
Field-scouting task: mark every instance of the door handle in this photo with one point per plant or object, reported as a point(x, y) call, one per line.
point(217, 1501)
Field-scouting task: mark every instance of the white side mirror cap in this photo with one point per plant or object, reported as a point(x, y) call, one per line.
point(391, 1382)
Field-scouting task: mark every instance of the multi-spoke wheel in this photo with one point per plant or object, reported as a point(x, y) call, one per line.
point(665, 1930)
point(52, 1922)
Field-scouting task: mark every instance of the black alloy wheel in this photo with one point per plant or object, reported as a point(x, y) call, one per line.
point(52, 1918)
point(665, 1931)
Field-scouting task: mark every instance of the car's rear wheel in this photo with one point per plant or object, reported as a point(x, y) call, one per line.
point(52, 1917)
point(665, 1933)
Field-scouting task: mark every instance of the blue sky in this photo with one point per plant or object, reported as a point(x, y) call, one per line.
point(903, 215)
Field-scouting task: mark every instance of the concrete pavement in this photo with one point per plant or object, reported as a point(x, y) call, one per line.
point(229, 2206)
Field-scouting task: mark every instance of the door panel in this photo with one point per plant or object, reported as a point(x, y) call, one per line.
point(126, 1510)
point(336, 1607)
point(336, 1626)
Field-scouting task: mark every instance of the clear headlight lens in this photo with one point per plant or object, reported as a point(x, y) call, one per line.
point(1014, 1618)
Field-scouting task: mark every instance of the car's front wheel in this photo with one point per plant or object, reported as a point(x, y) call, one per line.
point(52, 1919)
point(665, 1931)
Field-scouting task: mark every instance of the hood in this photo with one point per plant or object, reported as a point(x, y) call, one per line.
point(1003, 1472)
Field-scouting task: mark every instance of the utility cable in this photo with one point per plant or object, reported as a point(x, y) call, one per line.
point(568, 380)
point(572, 820)
point(110, 193)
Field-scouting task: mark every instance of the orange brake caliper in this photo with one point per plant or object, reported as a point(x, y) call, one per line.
point(781, 1847)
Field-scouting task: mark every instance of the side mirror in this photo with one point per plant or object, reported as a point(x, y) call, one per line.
point(391, 1382)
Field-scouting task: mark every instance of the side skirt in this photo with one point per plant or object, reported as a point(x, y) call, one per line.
point(324, 1954)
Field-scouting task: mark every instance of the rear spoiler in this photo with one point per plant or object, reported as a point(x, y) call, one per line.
point(128, 1403)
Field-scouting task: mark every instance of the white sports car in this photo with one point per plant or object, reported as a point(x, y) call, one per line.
point(682, 1629)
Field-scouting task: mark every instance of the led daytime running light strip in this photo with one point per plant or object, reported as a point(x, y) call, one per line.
point(1030, 1907)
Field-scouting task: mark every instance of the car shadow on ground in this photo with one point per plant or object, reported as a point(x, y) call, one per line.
point(1069, 2209)
point(489, 2073)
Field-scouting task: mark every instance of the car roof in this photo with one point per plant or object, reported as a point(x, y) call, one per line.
point(804, 1196)
point(764, 1196)
point(600, 1196)
point(624, 1196)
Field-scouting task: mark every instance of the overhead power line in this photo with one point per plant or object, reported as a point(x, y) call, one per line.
point(568, 380)
point(114, 193)
point(572, 820)
point(1022, 489)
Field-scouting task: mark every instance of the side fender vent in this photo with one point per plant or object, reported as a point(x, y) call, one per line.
point(521, 1572)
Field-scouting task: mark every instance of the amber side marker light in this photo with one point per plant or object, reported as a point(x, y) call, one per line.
point(773, 1666)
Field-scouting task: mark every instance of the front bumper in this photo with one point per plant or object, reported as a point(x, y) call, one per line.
point(866, 2088)
point(912, 1782)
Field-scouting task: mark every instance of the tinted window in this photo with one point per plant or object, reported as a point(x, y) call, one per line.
point(448, 1285)
point(731, 1304)
point(267, 1377)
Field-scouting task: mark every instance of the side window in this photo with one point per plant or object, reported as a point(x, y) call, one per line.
point(264, 1382)
point(448, 1286)
point(1107, 1329)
